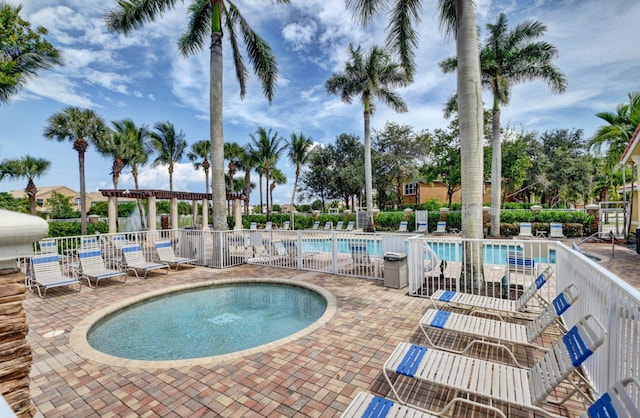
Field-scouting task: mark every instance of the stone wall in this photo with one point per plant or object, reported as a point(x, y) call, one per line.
point(15, 352)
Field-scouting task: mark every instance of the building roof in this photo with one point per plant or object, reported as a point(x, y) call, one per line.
point(164, 194)
point(633, 148)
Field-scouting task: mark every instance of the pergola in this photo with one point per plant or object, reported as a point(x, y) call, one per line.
point(152, 195)
point(631, 156)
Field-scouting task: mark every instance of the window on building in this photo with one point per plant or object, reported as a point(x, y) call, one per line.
point(78, 202)
point(39, 202)
point(411, 188)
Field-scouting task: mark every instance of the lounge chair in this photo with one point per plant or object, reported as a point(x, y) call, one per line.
point(89, 242)
point(497, 333)
point(441, 229)
point(518, 263)
point(339, 225)
point(133, 259)
point(616, 402)
point(268, 225)
point(360, 256)
point(48, 246)
point(91, 266)
point(403, 226)
point(350, 225)
point(488, 304)
point(286, 225)
point(328, 226)
point(491, 382)
point(291, 246)
point(253, 225)
point(46, 272)
point(316, 225)
point(168, 256)
point(525, 230)
point(422, 227)
point(555, 231)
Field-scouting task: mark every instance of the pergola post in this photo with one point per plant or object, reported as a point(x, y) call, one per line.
point(205, 214)
point(112, 210)
point(174, 212)
point(237, 214)
point(151, 221)
point(194, 214)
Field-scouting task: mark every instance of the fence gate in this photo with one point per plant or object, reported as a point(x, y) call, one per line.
point(421, 216)
point(613, 218)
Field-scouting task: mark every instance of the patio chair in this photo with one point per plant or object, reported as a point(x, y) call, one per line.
point(490, 332)
point(328, 226)
point(403, 226)
point(89, 242)
point(366, 405)
point(253, 225)
point(350, 225)
point(360, 256)
point(525, 230)
point(316, 225)
point(339, 225)
point(491, 305)
point(422, 227)
point(268, 225)
point(46, 272)
point(487, 381)
point(48, 246)
point(555, 231)
point(286, 225)
point(518, 263)
point(441, 229)
point(91, 266)
point(133, 259)
point(165, 252)
point(291, 246)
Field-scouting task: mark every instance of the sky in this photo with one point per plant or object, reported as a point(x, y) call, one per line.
point(142, 76)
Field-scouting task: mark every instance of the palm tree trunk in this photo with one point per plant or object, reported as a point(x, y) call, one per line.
point(247, 190)
point(260, 181)
point(31, 192)
point(134, 173)
point(83, 200)
point(471, 146)
point(293, 197)
point(217, 142)
point(368, 184)
point(496, 171)
point(266, 190)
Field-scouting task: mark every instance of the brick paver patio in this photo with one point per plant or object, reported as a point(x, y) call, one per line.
point(316, 375)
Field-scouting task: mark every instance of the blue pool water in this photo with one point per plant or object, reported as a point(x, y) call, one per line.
point(207, 321)
point(449, 251)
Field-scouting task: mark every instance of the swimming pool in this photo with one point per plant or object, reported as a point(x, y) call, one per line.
point(449, 251)
point(206, 321)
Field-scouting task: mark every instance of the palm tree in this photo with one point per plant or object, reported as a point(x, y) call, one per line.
point(77, 125)
point(200, 150)
point(511, 57)
point(267, 147)
point(457, 19)
point(248, 162)
point(299, 151)
point(277, 177)
point(26, 167)
point(24, 52)
point(370, 76)
point(207, 18)
point(169, 145)
point(233, 152)
point(621, 125)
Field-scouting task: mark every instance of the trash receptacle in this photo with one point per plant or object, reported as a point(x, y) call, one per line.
point(395, 270)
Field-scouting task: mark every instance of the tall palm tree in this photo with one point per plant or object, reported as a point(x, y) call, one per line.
point(198, 154)
point(207, 20)
point(299, 147)
point(24, 52)
point(277, 177)
point(26, 167)
point(170, 146)
point(249, 161)
point(268, 148)
point(233, 153)
point(457, 19)
point(621, 124)
point(370, 76)
point(79, 126)
point(511, 57)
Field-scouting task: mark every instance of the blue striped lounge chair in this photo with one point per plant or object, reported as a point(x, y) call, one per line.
point(517, 262)
point(494, 332)
point(134, 260)
point(92, 267)
point(167, 255)
point(403, 226)
point(525, 230)
point(46, 272)
point(485, 382)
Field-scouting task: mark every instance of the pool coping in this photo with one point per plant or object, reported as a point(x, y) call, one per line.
point(79, 344)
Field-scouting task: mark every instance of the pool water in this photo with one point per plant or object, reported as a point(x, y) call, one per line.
point(449, 251)
point(207, 321)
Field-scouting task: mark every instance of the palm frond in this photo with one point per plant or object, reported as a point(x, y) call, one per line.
point(364, 10)
point(402, 36)
point(241, 69)
point(194, 39)
point(129, 15)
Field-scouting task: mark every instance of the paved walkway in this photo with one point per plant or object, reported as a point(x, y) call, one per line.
point(621, 260)
point(316, 375)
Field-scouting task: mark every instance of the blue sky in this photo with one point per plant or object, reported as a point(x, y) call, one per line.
point(143, 77)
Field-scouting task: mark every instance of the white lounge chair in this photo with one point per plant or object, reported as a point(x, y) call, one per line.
point(616, 402)
point(316, 225)
point(167, 255)
point(339, 225)
point(253, 225)
point(328, 226)
point(268, 225)
point(46, 272)
point(441, 228)
point(350, 225)
point(361, 257)
point(555, 231)
point(488, 304)
point(48, 246)
point(286, 225)
point(91, 266)
point(403, 226)
point(486, 382)
point(133, 259)
point(525, 230)
point(422, 227)
point(493, 332)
